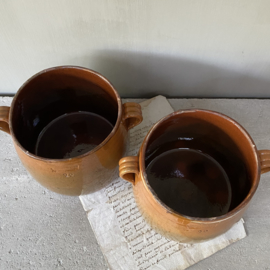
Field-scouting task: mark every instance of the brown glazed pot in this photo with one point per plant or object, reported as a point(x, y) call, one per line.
point(228, 136)
point(52, 93)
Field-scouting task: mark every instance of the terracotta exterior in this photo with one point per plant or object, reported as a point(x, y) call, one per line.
point(170, 223)
point(4, 119)
point(90, 171)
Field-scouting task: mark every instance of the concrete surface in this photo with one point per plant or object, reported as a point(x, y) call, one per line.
point(43, 230)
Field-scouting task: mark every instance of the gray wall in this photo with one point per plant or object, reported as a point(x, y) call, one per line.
point(203, 48)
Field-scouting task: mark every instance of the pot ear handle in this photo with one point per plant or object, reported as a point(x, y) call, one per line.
point(132, 114)
point(4, 119)
point(265, 160)
point(129, 168)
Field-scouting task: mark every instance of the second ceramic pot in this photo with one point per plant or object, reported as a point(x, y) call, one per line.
point(229, 140)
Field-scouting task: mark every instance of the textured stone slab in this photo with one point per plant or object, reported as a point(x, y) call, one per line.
point(42, 230)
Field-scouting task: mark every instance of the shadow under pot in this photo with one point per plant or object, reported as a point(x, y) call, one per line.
point(69, 128)
point(195, 174)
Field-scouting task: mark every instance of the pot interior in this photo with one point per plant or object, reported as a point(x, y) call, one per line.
point(56, 92)
point(217, 137)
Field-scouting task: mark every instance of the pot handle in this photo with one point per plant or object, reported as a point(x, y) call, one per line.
point(129, 168)
point(264, 156)
point(132, 114)
point(4, 119)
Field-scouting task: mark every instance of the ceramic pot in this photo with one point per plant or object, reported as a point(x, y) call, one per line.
point(57, 91)
point(230, 142)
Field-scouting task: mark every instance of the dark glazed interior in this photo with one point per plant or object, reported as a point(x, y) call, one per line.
point(214, 135)
point(55, 92)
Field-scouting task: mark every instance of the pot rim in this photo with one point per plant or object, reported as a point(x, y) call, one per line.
point(115, 128)
point(152, 193)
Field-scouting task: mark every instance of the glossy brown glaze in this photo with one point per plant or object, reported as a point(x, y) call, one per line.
point(214, 134)
point(72, 135)
point(4, 119)
point(190, 182)
point(64, 90)
point(265, 160)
